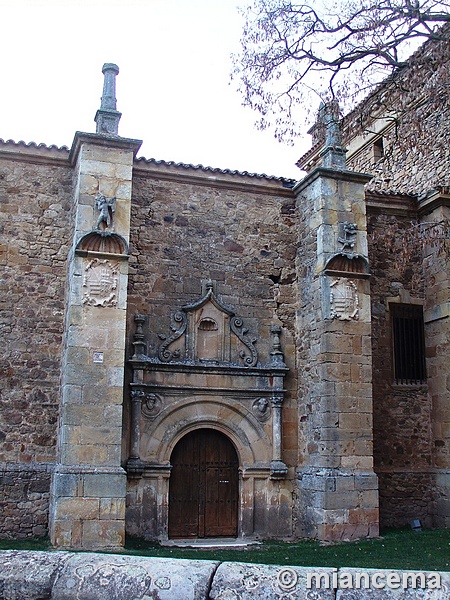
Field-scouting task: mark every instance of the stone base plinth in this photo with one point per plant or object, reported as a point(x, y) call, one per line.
point(442, 511)
point(88, 508)
point(335, 505)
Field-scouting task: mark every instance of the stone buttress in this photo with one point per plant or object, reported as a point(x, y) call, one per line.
point(88, 492)
point(434, 210)
point(338, 490)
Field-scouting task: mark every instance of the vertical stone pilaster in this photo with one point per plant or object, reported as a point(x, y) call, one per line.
point(338, 490)
point(89, 485)
point(87, 509)
point(437, 340)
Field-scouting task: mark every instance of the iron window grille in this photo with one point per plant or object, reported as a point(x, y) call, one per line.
point(408, 343)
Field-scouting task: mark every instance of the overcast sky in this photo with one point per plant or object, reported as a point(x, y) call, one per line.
point(173, 89)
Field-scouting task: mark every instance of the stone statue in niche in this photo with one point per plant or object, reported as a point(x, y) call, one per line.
point(107, 208)
point(344, 303)
point(348, 237)
point(100, 282)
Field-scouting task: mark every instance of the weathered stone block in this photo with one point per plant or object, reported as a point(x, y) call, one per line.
point(94, 576)
point(112, 508)
point(264, 582)
point(28, 575)
point(67, 484)
point(84, 455)
point(105, 485)
point(76, 508)
point(107, 533)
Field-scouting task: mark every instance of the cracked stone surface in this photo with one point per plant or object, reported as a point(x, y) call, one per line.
point(242, 581)
point(113, 577)
point(28, 575)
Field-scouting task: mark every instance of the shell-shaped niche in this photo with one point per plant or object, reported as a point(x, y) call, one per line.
point(102, 242)
point(353, 264)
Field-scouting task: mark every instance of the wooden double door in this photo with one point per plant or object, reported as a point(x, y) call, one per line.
point(204, 486)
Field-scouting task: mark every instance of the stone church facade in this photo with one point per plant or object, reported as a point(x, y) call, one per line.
point(193, 352)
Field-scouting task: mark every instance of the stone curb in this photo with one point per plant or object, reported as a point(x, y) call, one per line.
point(29, 575)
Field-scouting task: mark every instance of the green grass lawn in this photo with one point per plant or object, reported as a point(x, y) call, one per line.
point(395, 549)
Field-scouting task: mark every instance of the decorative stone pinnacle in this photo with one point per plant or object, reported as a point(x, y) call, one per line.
point(107, 117)
point(333, 155)
point(277, 356)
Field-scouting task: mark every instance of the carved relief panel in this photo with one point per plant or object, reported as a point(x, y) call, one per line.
point(344, 301)
point(100, 282)
point(207, 331)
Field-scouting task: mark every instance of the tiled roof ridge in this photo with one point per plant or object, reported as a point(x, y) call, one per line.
point(170, 163)
point(35, 145)
point(377, 192)
point(219, 170)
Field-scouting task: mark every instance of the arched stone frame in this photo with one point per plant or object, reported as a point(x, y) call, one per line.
point(245, 432)
point(250, 439)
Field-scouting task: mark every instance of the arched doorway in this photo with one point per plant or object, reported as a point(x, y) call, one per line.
point(204, 486)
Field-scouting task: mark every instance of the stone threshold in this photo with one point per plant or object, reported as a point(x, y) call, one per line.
point(210, 543)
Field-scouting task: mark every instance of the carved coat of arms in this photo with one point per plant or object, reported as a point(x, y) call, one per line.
point(100, 282)
point(344, 303)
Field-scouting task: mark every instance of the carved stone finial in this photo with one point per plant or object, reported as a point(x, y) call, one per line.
point(138, 341)
point(333, 155)
point(277, 356)
point(107, 117)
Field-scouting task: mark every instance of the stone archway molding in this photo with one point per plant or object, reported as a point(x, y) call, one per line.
point(237, 422)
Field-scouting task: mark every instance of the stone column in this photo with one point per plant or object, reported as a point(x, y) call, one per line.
point(278, 469)
point(87, 508)
point(338, 497)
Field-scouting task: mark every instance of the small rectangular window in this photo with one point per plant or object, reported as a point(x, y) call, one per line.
point(408, 343)
point(378, 150)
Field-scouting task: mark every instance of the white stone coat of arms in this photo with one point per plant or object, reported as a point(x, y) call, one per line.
point(344, 303)
point(100, 282)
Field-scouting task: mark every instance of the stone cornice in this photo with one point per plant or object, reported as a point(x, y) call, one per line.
point(224, 369)
point(326, 173)
point(34, 153)
point(433, 199)
point(231, 181)
point(111, 141)
point(391, 203)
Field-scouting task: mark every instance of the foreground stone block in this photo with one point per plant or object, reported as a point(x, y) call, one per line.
point(393, 585)
point(114, 577)
point(249, 582)
point(28, 575)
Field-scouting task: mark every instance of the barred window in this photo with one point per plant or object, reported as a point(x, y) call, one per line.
point(408, 343)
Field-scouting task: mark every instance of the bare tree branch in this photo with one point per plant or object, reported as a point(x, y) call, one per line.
point(338, 48)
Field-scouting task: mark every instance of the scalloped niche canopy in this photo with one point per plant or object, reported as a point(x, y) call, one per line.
point(345, 263)
point(104, 242)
